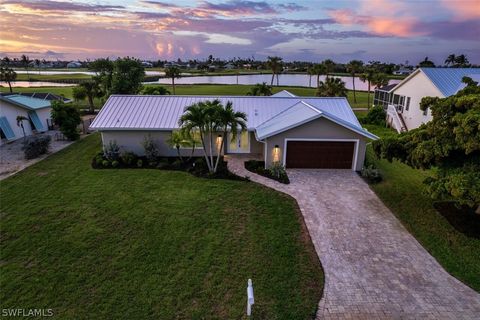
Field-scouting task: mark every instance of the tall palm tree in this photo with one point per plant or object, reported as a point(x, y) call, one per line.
point(367, 76)
point(461, 61)
point(8, 75)
point(177, 140)
point(26, 63)
point(354, 67)
point(329, 66)
point(332, 87)
point(37, 64)
point(380, 80)
point(172, 72)
point(310, 73)
point(275, 64)
point(319, 69)
point(229, 120)
point(450, 59)
point(260, 89)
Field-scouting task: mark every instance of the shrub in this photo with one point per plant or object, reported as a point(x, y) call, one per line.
point(99, 160)
point(115, 163)
point(151, 149)
point(140, 163)
point(371, 174)
point(112, 151)
point(375, 115)
point(128, 158)
point(34, 146)
point(67, 117)
point(105, 163)
point(177, 164)
point(278, 171)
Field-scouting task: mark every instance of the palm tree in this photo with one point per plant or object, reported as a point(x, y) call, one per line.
point(260, 89)
point(332, 87)
point(177, 140)
point(329, 66)
point(26, 63)
point(229, 120)
point(380, 80)
point(37, 64)
point(368, 75)
point(426, 63)
point(461, 61)
point(310, 72)
point(20, 120)
point(275, 64)
point(8, 75)
point(172, 72)
point(89, 90)
point(354, 67)
point(450, 59)
point(155, 91)
point(318, 70)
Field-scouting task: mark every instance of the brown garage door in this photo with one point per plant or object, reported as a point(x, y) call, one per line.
point(319, 154)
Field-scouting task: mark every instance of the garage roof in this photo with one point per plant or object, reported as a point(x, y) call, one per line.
point(143, 112)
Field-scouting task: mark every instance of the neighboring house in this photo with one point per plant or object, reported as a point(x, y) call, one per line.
point(402, 72)
point(229, 66)
point(382, 95)
point(36, 107)
point(74, 64)
point(147, 64)
point(299, 132)
point(404, 112)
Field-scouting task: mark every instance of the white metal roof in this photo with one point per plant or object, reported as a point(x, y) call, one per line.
point(142, 112)
point(283, 93)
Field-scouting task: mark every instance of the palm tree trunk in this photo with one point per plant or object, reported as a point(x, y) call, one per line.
point(207, 160)
point(173, 85)
point(273, 78)
point(353, 84)
point(310, 80)
point(224, 134)
point(368, 95)
point(318, 80)
point(90, 103)
point(277, 79)
point(10, 86)
point(178, 153)
point(211, 150)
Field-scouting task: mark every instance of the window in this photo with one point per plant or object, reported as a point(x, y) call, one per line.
point(198, 142)
point(408, 104)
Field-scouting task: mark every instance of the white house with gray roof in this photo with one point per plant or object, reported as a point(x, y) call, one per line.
point(404, 111)
point(299, 132)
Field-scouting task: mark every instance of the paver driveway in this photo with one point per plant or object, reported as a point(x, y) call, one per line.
point(374, 269)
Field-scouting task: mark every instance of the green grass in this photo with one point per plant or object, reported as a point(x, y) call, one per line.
point(141, 243)
point(33, 76)
point(404, 193)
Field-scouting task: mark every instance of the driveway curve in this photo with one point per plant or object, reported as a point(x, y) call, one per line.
point(374, 268)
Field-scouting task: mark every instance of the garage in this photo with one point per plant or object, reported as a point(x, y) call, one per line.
point(320, 154)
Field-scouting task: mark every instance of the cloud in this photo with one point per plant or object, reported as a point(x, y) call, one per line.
point(463, 9)
point(243, 7)
point(50, 5)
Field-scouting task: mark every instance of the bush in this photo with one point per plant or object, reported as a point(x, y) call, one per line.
point(105, 163)
point(150, 147)
point(112, 151)
point(34, 146)
point(276, 172)
point(99, 160)
point(128, 158)
point(375, 115)
point(115, 163)
point(371, 174)
point(67, 117)
point(140, 163)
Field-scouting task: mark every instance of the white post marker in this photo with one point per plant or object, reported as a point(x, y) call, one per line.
point(250, 299)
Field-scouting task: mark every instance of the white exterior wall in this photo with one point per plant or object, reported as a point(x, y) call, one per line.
point(416, 88)
point(11, 112)
point(44, 114)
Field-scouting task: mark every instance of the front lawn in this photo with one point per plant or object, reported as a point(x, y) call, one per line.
point(403, 192)
point(150, 244)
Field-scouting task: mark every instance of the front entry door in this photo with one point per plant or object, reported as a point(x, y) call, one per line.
point(241, 143)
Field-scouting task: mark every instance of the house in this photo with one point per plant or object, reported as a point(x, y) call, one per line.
point(35, 107)
point(147, 64)
point(74, 64)
point(298, 132)
point(402, 72)
point(404, 113)
point(229, 66)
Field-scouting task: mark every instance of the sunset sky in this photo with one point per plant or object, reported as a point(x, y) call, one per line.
point(296, 30)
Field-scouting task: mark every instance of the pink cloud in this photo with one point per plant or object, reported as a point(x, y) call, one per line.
point(463, 9)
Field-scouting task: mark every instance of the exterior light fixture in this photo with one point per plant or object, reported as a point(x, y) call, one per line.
point(276, 153)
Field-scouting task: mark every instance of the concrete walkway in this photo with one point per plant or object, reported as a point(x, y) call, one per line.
point(374, 268)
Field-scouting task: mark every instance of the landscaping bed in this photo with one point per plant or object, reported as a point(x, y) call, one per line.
point(194, 165)
point(258, 167)
point(150, 244)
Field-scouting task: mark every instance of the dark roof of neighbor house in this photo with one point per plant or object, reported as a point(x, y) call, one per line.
point(143, 112)
point(387, 88)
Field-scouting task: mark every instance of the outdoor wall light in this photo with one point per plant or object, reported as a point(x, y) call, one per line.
point(276, 153)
